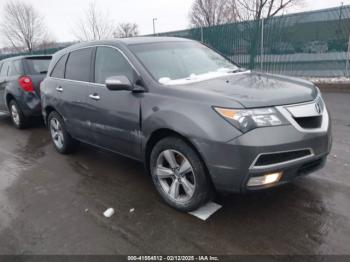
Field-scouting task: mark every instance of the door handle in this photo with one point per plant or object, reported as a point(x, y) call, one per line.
point(59, 89)
point(95, 97)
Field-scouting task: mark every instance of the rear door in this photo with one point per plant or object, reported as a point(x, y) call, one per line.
point(3, 81)
point(75, 90)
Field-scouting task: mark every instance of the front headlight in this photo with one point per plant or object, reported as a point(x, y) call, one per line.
point(248, 119)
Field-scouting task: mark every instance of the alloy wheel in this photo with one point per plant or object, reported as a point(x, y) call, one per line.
point(57, 133)
point(175, 175)
point(15, 115)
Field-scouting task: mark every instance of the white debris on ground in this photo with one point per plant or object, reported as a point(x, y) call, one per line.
point(132, 210)
point(206, 211)
point(86, 210)
point(109, 212)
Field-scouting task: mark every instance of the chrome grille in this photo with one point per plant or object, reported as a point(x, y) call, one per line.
point(307, 117)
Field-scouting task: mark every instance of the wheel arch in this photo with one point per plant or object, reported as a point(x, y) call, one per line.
point(48, 110)
point(162, 133)
point(9, 98)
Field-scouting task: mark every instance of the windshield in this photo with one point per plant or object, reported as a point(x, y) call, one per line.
point(182, 61)
point(38, 65)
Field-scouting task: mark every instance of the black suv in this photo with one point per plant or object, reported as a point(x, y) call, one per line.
point(20, 79)
point(199, 122)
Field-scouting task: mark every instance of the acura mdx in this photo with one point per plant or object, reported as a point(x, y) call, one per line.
point(199, 122)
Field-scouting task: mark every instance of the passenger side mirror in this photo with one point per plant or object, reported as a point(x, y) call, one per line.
point(118, 83)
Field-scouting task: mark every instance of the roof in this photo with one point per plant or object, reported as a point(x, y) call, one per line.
point(150, 39)
point(125, 41)
point(24, 57)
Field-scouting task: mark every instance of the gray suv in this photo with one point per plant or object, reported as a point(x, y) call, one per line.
point(20, 79)
point(199, 122)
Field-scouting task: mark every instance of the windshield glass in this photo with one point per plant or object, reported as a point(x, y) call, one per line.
point(181, 60)
point(38, 65)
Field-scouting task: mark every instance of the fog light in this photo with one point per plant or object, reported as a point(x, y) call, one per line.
point(265, 180)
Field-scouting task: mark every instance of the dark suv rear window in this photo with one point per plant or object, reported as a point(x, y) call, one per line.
point(37, 65)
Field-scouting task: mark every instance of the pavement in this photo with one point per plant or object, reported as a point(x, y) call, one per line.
point(54, 204)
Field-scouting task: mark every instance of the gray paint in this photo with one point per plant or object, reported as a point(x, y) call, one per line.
point(124, 121)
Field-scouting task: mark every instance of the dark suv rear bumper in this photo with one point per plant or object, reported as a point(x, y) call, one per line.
point(30, 104)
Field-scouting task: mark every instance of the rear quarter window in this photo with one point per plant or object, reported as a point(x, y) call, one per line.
point(15, 68)
point(58, 70)
point(4, 69)
point(37, 65)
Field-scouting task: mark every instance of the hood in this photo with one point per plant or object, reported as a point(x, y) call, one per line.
point(252, 89)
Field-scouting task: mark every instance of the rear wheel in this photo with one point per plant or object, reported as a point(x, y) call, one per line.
point(62, 140)
point(179, 175)
point(17, 116)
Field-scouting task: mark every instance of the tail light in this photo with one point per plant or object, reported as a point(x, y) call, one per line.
point(26, 83)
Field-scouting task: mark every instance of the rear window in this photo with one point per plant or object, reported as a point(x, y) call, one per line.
point(38, 65)
point(4, 69)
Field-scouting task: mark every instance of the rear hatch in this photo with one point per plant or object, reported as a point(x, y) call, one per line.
point(36, 68)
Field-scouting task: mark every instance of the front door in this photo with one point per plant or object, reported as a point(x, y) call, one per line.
point(116, 114)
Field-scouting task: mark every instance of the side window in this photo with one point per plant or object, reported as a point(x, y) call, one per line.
point(4, 69)
point(78, 65)
point(59, 68)
point(110, 62)
point(15, 68)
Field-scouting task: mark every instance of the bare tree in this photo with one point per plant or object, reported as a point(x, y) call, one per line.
point(127, 30)
point(255, 10)
point(213, 12)
point(95, 25)
point(22, 26)
point(258, 9)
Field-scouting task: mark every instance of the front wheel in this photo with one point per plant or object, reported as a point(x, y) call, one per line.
point(61, 139)
point(179, 175)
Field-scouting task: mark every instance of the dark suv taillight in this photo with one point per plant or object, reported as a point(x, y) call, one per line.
point(26, 83)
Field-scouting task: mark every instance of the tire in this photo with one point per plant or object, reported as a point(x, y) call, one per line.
point(179, 175)
point(61, 139)
point(17, 116)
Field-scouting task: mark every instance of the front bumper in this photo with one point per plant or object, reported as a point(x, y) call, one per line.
point(231, 164)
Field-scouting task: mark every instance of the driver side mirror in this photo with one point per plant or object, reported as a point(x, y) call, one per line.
point(118, 83)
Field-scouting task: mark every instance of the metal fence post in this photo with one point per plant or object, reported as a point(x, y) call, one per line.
point(202, 35)
point(347, 59)
point(262, 45)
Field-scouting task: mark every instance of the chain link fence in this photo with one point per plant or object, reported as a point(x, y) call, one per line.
point(309, 44)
